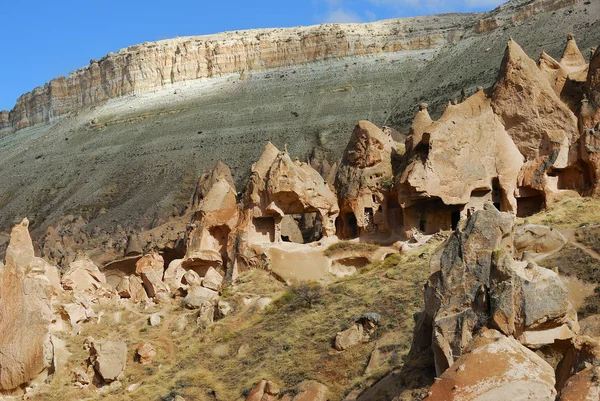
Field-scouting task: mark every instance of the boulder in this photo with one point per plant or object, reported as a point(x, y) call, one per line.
point(174, 274)
point(359, 332)
point(455, 296)
point(154, 319)
point(145, 353)
point(83, 275)
point(212, 279)
point(206, 314)
point(191, 278)
point(151, 268)
point(495, 368)
point(538, 239)
point(585, 385)
point(80, 378)
point(311, 390)
point(196, 297)
point(476, 283)
point(349, 337)
point(264, 390)
point(132, 287)
point(25, 313)
point(530, 302)
point(108, 358)
point(223, 309)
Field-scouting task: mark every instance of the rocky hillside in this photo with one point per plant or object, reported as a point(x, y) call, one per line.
point(461, 264)
point(129, 162)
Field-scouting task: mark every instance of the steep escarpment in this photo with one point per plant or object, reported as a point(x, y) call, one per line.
point(149, 66)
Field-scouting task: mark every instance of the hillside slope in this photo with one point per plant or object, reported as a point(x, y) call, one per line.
point(134, 160)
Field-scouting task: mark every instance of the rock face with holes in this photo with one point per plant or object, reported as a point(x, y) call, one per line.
point(25, 313)
point(365, 184)
point(279, 186)
point(484, 165)
point(214, 222)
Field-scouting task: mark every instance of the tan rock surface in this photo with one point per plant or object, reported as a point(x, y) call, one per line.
point(145, 353)
point(25, 313)
point(482, 152)
point(498, 368)
point(584, 386)
point(109, 358)
point(364, 182)
point(151, 269)
point(537, 239)
point(522, 91)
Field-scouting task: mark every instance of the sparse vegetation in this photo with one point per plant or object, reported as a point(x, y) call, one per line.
point(288, 343)
point(350, 246)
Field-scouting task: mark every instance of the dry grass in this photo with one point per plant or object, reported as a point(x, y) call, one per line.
point(350, 246)
point(589, 236)
point(287, 343)
point(570, 212)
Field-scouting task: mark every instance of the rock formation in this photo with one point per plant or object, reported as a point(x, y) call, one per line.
point(278, 187)
point(365, 185)
point(436, 190)
point(477, 283)
point(214, 222)
point(148, 66)
point(496, 368)
point(25, 313)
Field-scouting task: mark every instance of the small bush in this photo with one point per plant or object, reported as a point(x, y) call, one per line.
point(307, 295)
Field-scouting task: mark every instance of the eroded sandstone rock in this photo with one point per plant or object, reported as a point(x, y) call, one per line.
point(477, 283)
point(151, 269)
point(265, 390)
point(108, 358)
point(25, 313)
point(145, 353)
point(538, 239)
point(365, 185)
point(496, 368)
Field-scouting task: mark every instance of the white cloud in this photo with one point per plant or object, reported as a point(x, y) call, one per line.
point(340, 15)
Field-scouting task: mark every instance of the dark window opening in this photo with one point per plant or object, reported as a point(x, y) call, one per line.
point(455, 219)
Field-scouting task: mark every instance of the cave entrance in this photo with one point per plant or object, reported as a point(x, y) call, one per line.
point(370, 226)
point(394, 213)
point(301, 228)
point(434, 216)
point(264, 229)
point(347, 226)
point(530, 202)
point(220, 238)
point(577, 177)
point(496, 194)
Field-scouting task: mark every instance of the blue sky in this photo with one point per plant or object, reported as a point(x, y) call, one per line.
point(45, 39)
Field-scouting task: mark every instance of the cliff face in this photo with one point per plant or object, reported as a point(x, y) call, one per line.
point(145, 67)
point(148, 66)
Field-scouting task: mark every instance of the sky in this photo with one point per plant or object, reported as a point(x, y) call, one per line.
point(44, 39)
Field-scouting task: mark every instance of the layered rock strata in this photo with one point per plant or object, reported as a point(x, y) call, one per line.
point(149, 66)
